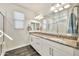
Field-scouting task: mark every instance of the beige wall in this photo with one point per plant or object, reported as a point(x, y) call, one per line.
point(20, 36)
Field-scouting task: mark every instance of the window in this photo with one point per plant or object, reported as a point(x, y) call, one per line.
point(19, 20)
point(33, 26)
point(45, 25)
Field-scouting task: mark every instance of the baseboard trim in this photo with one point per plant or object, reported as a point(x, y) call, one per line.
point(15, 48)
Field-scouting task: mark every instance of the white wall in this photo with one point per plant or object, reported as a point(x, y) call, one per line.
point(20, 36)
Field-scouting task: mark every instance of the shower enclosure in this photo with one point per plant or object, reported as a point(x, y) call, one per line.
point(1, 34)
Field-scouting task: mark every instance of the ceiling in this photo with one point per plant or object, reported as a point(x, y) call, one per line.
point(39, 8)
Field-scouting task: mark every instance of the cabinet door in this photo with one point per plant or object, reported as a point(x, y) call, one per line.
point(58, 52)
point(76, 52)
point(64, 49)
point(36, 44)
point(32, 41)
point(44, 47)
point(41, 46)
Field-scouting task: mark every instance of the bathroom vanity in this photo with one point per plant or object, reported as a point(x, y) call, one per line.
point(58, 35)
point(54, 45)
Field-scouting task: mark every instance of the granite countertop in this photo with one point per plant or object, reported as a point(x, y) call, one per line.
point(57, 34)
point(62, 39)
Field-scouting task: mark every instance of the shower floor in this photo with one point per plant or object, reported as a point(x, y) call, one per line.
point(24, 51)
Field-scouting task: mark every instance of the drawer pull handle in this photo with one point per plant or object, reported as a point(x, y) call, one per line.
point(51, 51)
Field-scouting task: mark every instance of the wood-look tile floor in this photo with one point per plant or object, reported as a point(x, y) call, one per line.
point(24, 51)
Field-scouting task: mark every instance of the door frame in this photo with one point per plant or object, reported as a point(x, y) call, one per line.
point(3, 35)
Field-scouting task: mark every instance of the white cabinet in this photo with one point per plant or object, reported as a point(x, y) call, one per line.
point(45, 47)
point(40, 46)
point(76, 52)
point(59, 49)
point(36, 44)
point(49, 48)
point(58, 52)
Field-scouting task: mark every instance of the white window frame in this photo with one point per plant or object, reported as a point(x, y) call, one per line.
point(17, 17)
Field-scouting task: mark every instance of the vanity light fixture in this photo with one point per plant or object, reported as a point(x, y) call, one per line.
point(67, 6)
point(57, 5)
point(60, 9)
point(55, 10)
point(34, 21)
point(52, 8)
point(39, 17)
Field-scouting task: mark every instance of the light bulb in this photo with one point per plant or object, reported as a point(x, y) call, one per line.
point(60, 9)
point(67, 6)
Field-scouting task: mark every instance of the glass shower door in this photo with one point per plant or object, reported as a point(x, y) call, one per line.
point(1, 30)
